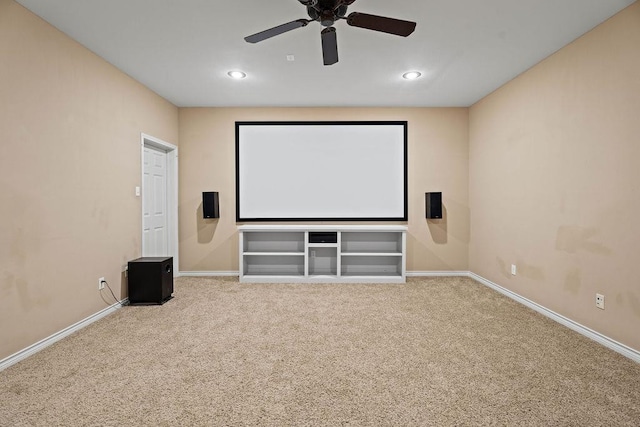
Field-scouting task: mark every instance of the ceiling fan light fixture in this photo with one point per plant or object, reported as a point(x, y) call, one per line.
point(237, 75)
point(411, 75)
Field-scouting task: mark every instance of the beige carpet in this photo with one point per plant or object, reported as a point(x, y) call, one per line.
point(440, 352)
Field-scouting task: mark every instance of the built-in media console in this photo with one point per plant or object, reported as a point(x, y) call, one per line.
point(322, 254)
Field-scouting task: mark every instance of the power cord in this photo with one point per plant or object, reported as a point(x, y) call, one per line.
point(112, 294)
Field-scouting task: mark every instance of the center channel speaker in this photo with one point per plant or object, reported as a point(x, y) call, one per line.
point(210, 204)
point(434, 205)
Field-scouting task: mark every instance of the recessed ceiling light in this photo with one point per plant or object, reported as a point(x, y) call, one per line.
point(411, 75)
point(237, 75)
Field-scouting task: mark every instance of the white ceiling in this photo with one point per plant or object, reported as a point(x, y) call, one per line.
point(183, 49)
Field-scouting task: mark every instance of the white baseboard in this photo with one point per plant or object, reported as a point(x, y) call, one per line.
point(437, 274)
point(40, 345)
point(408, 274)
point(575, 326)
point(209, 273)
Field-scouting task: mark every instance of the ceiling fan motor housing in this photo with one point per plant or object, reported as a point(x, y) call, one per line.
point(327, 18)
point(327, 12)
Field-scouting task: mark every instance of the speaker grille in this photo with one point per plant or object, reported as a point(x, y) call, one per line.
point(210, 205)
point(434, 205)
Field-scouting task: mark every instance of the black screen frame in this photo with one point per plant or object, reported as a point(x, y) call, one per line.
point(404, 124)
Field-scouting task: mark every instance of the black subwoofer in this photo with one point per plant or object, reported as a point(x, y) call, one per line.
point(150, 280)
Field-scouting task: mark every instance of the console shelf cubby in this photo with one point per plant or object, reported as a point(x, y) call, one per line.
point(322, 254)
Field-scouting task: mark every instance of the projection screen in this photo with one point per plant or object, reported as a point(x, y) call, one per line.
point(321, 171)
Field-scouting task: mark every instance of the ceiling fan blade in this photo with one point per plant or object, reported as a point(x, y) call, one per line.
point(271, 32)
point(329, 46)
point(381, 23)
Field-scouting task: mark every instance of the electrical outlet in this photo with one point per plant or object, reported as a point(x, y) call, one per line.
point(600, 301)
point(101, 283)
point(513, 269)
point(313, 254)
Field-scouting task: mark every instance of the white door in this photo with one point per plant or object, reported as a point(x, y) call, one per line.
point(155, 235)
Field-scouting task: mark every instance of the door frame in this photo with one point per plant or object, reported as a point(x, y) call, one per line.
point(172, 194)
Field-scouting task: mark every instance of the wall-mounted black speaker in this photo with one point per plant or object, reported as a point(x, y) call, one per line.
point(210, 204)
point(434, 205)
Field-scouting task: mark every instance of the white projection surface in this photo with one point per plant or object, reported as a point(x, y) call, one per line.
point(321, 171)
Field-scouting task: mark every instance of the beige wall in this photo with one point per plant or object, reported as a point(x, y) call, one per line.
point(70, 129)
point(554, 176)
point(438, 161)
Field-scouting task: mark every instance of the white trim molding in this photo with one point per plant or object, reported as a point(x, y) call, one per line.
point(42, 344)
point(409, 273)
point(209, 273)
point(437, 274)
point(565, 321)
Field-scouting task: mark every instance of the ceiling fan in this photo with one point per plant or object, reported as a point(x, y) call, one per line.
point(327, 12)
